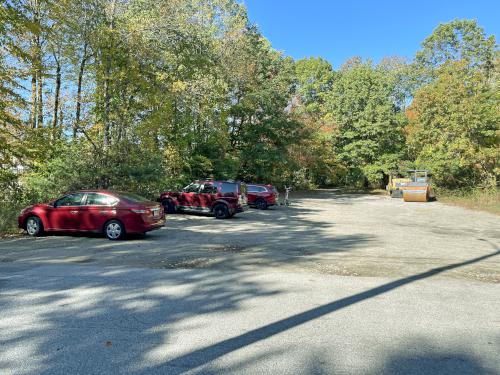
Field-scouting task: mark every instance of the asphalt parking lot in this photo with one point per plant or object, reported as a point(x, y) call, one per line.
point(324, 232)
point(336, 283)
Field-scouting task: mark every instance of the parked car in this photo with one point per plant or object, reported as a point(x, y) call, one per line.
point(223, 199)
point(262, 196)
point(108, 212)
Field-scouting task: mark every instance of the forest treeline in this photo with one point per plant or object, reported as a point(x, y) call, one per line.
point(144, 95)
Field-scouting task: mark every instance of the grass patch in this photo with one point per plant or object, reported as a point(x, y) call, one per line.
point(479, 199)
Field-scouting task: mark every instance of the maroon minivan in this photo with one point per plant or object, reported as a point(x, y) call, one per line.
point(101, 211)
point(223, 199)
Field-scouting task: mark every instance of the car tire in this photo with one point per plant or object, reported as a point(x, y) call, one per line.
point(169, 206)
point(114, 230)
point(34, 226)
point(221, 211)
point(261, 204)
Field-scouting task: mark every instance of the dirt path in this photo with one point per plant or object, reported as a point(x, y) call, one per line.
point(322, 232)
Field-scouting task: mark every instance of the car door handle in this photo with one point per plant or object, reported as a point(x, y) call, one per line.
point(74, 212)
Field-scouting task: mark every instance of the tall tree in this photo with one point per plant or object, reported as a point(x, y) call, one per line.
point(458, 40)
point(454, 127)
point(368, 136)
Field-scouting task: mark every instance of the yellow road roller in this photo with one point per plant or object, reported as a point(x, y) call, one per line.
point(396, 186)
point(419, 188)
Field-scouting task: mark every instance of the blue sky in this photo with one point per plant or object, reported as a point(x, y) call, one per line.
point(337, 30)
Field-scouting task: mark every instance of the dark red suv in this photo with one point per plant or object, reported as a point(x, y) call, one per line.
point(262, 196)
point(108, 212)
point(223, 199)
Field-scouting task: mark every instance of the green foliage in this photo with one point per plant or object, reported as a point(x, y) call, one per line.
point(147, 95)
point(459, 40)
point(127, 167)
point(315, 78)
point(367, 135)
point(454, 130)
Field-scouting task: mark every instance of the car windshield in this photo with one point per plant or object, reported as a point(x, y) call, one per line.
point(192, 188)
point(134, 198)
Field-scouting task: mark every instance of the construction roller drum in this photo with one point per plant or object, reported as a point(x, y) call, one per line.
point(417, 192)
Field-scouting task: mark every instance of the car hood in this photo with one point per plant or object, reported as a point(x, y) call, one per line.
point(34, 206)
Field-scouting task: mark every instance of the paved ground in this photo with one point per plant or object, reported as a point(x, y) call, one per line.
point(354, 284)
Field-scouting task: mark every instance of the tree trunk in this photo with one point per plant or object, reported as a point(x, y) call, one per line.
point(39, 70)
point(40, 99)
point(34, 55)
point(107, 98)
point(56, 96)
point(107, 79)
point(34, 107)
point(76, 125)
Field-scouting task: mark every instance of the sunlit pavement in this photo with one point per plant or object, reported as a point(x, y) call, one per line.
point(83, 319)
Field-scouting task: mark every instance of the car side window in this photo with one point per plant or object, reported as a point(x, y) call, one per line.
point(262, 189)
point(96, 199)
point(252, 189)
point(228, 189)
point(209, 189)
point(70, 200)
point(192, 188)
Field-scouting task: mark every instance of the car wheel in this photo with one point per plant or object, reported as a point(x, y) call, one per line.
point(261, 204)
point(169, 206)
point(221, 211)
point(34, 226)
point(114, 230)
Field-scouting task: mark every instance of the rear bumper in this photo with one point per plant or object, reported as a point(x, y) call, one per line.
point(145, 227)
point(269, 204)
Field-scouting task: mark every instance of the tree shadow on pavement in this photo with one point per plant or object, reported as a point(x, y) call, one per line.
point(79, 319)
point(286, 235)
point(210, 353)
point(76, 319)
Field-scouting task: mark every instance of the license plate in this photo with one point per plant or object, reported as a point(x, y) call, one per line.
point(156, 212)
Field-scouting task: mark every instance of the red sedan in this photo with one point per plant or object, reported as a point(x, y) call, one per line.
point(108, 212)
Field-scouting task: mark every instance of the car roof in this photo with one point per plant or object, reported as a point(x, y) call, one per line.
point(100, 191)
point(95, 191)
point(216, 181)
point(264, 185)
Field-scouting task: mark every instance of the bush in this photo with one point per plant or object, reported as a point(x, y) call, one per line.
point(12, 201)
point(9, 210)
